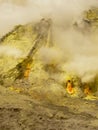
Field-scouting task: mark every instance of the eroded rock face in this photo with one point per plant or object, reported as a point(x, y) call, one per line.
point(22, 37)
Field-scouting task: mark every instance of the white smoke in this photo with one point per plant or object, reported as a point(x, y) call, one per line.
point(13, 12)
point(50, 55)
point(9, 51)
point(79, 49)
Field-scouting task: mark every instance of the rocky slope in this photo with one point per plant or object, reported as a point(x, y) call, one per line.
point(40, 103)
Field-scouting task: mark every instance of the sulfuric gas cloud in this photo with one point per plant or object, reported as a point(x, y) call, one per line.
point(76, 49)
point(14, 12)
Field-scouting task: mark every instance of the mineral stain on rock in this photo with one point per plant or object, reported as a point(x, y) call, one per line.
point(46, 85)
